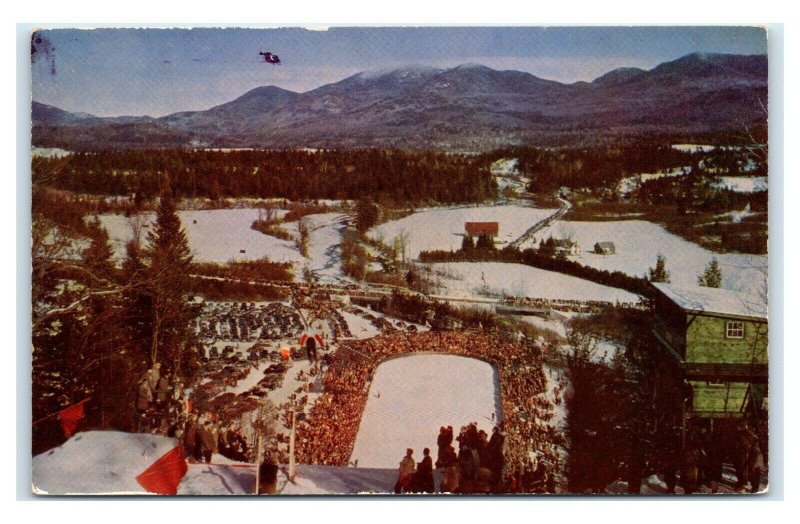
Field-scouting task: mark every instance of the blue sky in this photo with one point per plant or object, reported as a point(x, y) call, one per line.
point(155, 72)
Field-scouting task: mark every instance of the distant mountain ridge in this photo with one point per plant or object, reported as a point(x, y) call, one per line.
point(470, 106)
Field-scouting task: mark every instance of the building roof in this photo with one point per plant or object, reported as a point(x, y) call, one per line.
point(605, 245)
point(482, 228)
point(724, 302)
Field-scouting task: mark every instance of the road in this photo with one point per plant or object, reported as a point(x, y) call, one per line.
point(528, 235)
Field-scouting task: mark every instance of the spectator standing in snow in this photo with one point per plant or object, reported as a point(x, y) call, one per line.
point(143, 400)
point(467, 468)
point(714, 457)
point(449, 461)
point(405, 473)
point(494, 453)
point(162, 391)
point(207, 441)
point(444, 439)
point(190, 437)
point(311, 349)
point(424, 474)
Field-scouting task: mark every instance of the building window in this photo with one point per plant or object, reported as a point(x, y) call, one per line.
point(734, 329)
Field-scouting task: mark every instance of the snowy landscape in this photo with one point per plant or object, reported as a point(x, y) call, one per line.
point(637, 244)
point(444, 228)
point(281, 294)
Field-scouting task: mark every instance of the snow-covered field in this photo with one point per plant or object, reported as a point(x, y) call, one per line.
point(220, 236)
point(743, 184)
point(639, 242)
point(217, 235)
point(444, 228)
point(519, 280)
point(411, 397)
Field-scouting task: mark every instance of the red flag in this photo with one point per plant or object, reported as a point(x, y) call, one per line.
point(164, 476)
point(303, 339)
point(319, 339)
point(71, 416)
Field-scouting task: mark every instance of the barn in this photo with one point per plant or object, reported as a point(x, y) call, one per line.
point(477, 229)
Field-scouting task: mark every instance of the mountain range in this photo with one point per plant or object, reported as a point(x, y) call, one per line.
point(468, 107)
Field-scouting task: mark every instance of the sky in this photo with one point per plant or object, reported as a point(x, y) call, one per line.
point(113, 72)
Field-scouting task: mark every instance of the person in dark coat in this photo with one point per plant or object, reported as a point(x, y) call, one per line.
point(424, 475)
point(207, 438)
point(441, 442)
point(467, 468)
point(162, 391)
point(495, 455)
point(190, 437)
point(449, 462)
point(267, 476)
point(311, 349)
point(714, 457)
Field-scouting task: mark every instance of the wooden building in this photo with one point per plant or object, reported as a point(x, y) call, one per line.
point(718, 342)
point(477, 229)
point(605, 248)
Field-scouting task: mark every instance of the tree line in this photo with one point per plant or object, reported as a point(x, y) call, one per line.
point(390, 176)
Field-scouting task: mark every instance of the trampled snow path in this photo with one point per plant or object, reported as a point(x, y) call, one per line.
point(639, 242)
point(411, 397)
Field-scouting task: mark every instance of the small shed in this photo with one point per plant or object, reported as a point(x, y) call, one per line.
point(605, 248)
point(476, 229)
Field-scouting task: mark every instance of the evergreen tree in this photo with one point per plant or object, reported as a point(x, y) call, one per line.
point(168, 278)
point(484, 242)
point(712, 276)
point(659, 273)
point(467, 244)
point(98, 255)
point(367, 214)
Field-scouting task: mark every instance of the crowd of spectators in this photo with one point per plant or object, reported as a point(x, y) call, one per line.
point(328, 435)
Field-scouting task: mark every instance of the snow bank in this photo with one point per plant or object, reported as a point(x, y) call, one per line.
point(218, 479)
point(98, 462)
point(639, 242)
point(518, 280)
point(444, 228)
point(330, 480)
point(411, 397)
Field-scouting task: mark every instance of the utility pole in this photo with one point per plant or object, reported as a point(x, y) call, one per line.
point(259, 458)
point(291, 447)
